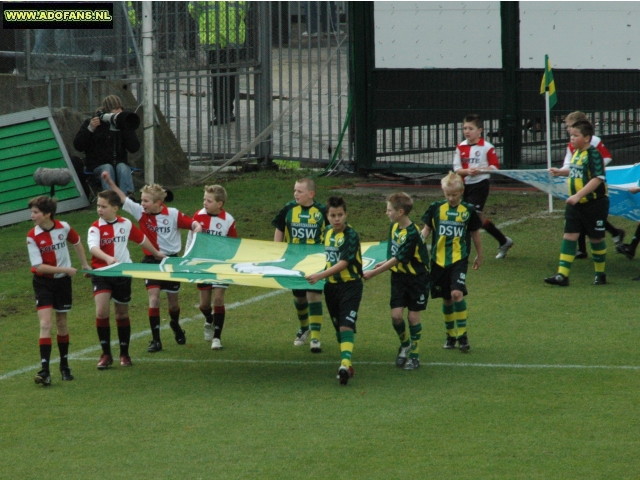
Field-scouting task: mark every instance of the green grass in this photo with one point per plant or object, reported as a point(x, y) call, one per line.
point(549, 389)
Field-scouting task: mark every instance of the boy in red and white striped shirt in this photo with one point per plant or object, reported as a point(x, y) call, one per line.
point(474, 160)
point(52, 272)
point(107, 239)
point(161, 225)
point(214, 220)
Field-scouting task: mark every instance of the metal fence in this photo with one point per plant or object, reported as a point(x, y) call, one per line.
point(283, 66)
point(418, 115)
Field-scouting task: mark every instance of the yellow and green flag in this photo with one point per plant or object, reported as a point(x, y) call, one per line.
point(240, 261)
point(548, 82)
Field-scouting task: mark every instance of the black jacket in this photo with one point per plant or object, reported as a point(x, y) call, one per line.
point(98, 146)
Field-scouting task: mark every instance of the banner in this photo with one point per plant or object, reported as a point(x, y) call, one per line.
point(622, 203)
point(239, 261)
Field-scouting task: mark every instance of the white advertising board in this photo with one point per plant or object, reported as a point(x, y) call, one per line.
point(575, 35)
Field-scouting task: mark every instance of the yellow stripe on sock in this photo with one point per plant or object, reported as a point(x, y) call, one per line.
point(460, 315)
point(315, 323)
point(346, 347)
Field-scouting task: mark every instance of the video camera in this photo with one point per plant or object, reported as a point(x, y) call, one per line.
point(120, 120)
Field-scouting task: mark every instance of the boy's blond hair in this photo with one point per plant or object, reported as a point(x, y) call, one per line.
point(574, 117)
point(310, 182)
point(155, 191)
point(452, 180)
point(218, 192)
point(401, 201)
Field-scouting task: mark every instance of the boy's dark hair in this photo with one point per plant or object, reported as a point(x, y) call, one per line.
point(584, 127)
point(44, 204)
point(473, 118)
point(336, 202)
point(401, 201)
point(111, 197)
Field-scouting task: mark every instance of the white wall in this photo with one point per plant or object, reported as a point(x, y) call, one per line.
point(437, 34)
point(581, 35)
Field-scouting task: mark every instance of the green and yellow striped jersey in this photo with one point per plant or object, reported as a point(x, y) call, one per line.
point(584, 166)
point(302, 224)
point(408, 246)
point(450, 231)
point(343, 246)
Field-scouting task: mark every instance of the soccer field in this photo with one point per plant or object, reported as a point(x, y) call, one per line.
point(549, 389)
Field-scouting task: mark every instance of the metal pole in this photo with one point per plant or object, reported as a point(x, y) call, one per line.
point(131, 35)
point(147, 75)
point(264, 81)
point(548, 119)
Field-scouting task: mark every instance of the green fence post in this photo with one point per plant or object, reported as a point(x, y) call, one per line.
point(362, 62)
point(511, 122)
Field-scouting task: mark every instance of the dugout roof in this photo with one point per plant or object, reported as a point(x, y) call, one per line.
point(30, 140)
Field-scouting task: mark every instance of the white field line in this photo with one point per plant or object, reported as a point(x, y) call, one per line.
point(542, 214)
point(134, 336)
point(430, 364)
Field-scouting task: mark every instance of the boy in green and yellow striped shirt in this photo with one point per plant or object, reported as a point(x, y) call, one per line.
point(407, 258)
point(303, 220)
point(587, 206)
point(453, 224)
point(343, 285)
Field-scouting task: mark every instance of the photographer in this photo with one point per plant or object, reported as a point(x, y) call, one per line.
point(106, 141)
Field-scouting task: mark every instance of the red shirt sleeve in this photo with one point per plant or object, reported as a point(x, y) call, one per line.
point(492, 158)
point(604, 151)
point(184, 221)
point(73, 236)
point(136, 235)
point(232, 231)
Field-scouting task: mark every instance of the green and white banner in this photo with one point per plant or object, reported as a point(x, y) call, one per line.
point(214, 259)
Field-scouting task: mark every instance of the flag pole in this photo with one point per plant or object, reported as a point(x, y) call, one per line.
point(548, 123)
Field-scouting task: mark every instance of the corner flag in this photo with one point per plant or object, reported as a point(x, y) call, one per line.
point(547, 81)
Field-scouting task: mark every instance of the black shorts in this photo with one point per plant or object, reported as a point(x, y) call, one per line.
point(303, 293)
point(476, 194)
point(168, 286)
point(343, 302)
point(118, 287)
point(588, 218)
point(445, 280)
point(409, 291)
point(210, 286)
point(53, 293)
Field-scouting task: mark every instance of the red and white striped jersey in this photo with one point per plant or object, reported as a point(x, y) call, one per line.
point(595, 142)
point(222, 224)
point(480, 155)
point(49, 247)
point(162, 229)
point(112, 239)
